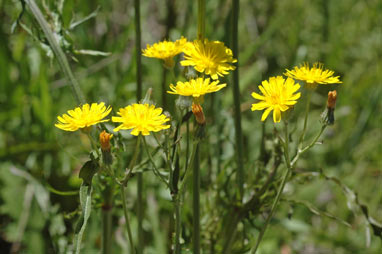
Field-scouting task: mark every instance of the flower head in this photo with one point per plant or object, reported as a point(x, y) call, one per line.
point(278, 95)
point(196, 88)
point(165, 50)
point(142, 118)
point(314, 75)
point(210, 57)
point(83, 117)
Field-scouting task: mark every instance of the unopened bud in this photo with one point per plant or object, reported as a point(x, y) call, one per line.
point(198, 113)
point(332, 97)
point(104, 139)
point(328, 115)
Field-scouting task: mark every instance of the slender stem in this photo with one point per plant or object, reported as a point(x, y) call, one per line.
point(188, 171)
point(107, 207)
point(201, 19)
point(138, 56)
point(60, 56)
point(187, 141)
point(196, 203)
point(138, 48)
point(178, 228)
point(123, 196)
point(280, 190)
point(301, 140)
point(301, 151)
point(155, 169)
point(236, 98)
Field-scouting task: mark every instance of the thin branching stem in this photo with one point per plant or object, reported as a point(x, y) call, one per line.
point(280, 190)
point(302, 137)
point(127, 221)
point(155, 169)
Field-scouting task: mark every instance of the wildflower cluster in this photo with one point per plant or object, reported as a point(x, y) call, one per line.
point(280, 94)
point(211, 58)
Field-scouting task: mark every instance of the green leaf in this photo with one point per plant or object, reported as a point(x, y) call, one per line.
point(87, 171)
point(85, 200)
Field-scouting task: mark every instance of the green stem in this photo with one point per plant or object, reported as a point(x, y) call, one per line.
point(107, 207)
point(178, 228)
point(280, 190)
point(201, 19)
point(301, 140)
point(188, 171)
point(196, 203)
point(60, 56)
point(138, 56)
point(155, 169)
point(123, 196)
point(301, 151)
point(236, 98)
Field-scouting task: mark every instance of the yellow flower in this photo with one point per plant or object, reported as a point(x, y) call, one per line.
point(210, 57)
point(142, 118)
point(83, 117)
point(165, 50)
point(196, 88)
point(278, 95)
point(313, 76)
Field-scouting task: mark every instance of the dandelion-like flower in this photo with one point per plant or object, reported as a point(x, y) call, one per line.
point(196, 88)
point(313, 76)
point(141, 118)
point(83, 117)
point(165, 50)
point(210, 57)
point(278, 95)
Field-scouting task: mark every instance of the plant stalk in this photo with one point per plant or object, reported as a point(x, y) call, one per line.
point(60, 56)
point(107, 207)
point(178, 221)
point(236, 98)
point(127, 221)
point(280, 190)
point(302, 137)
point(139, 97)
point(201, 19)
point(196, 203)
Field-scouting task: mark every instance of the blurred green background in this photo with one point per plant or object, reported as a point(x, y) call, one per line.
point(273, 35)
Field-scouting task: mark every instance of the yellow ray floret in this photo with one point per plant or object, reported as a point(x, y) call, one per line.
point(210, 57)
point(278, 95)
point(165, 50)
point(83, 117)
point(141, 118)
point(196, 87)
point(314, 75)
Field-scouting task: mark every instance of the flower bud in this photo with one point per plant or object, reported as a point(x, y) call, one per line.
point(332, 97)
point(328, 115)
point(104, 139)
point(198, 113)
